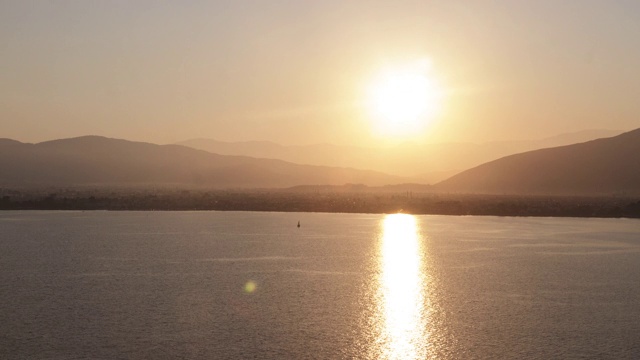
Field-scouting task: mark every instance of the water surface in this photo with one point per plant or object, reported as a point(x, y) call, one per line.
point(227, 285)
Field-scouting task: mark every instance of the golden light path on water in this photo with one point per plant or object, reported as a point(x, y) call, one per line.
point(401, 303)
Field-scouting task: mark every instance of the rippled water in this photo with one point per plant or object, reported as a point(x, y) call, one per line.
point(225, 285)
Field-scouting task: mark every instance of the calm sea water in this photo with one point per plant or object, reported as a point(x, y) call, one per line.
point(243, 285)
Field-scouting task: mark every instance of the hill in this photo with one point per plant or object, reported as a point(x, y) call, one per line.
point(423, 163)
point(598, 167)
point(94, 160)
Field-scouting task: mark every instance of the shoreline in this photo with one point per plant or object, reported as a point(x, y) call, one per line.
point(324, 202)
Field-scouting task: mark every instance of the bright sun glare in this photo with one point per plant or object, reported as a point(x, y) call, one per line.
point(404, 100)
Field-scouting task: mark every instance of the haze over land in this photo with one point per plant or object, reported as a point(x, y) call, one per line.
point(424, 163)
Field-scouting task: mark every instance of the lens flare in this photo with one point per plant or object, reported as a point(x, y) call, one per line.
point(250, 287)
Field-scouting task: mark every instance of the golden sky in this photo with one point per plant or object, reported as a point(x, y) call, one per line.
point(297, 72)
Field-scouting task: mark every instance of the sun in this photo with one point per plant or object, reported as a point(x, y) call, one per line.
point(403, 100)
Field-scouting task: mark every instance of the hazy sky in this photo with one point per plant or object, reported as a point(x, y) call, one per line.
point(295, 71)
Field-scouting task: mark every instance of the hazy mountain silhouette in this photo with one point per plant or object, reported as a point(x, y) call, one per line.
point(427, 163)
point(93, 160)
point(602, 166)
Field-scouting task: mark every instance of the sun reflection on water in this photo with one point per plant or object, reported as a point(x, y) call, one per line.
point(403, 328)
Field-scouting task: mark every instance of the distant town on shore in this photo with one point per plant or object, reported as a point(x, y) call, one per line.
point(347, 199)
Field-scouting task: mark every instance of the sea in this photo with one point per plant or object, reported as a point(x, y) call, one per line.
point(254, 285)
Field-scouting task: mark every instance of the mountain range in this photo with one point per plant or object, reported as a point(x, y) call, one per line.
point(602, 166)
point(94, 160)
point(426, 163)
point(597, 167)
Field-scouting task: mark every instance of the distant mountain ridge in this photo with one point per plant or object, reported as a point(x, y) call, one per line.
point(95, 160)
point(597, 167)
point(427, 163)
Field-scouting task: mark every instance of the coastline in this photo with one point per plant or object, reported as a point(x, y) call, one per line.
point(324, 202)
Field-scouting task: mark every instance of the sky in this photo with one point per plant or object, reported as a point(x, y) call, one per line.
point(297, 72)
